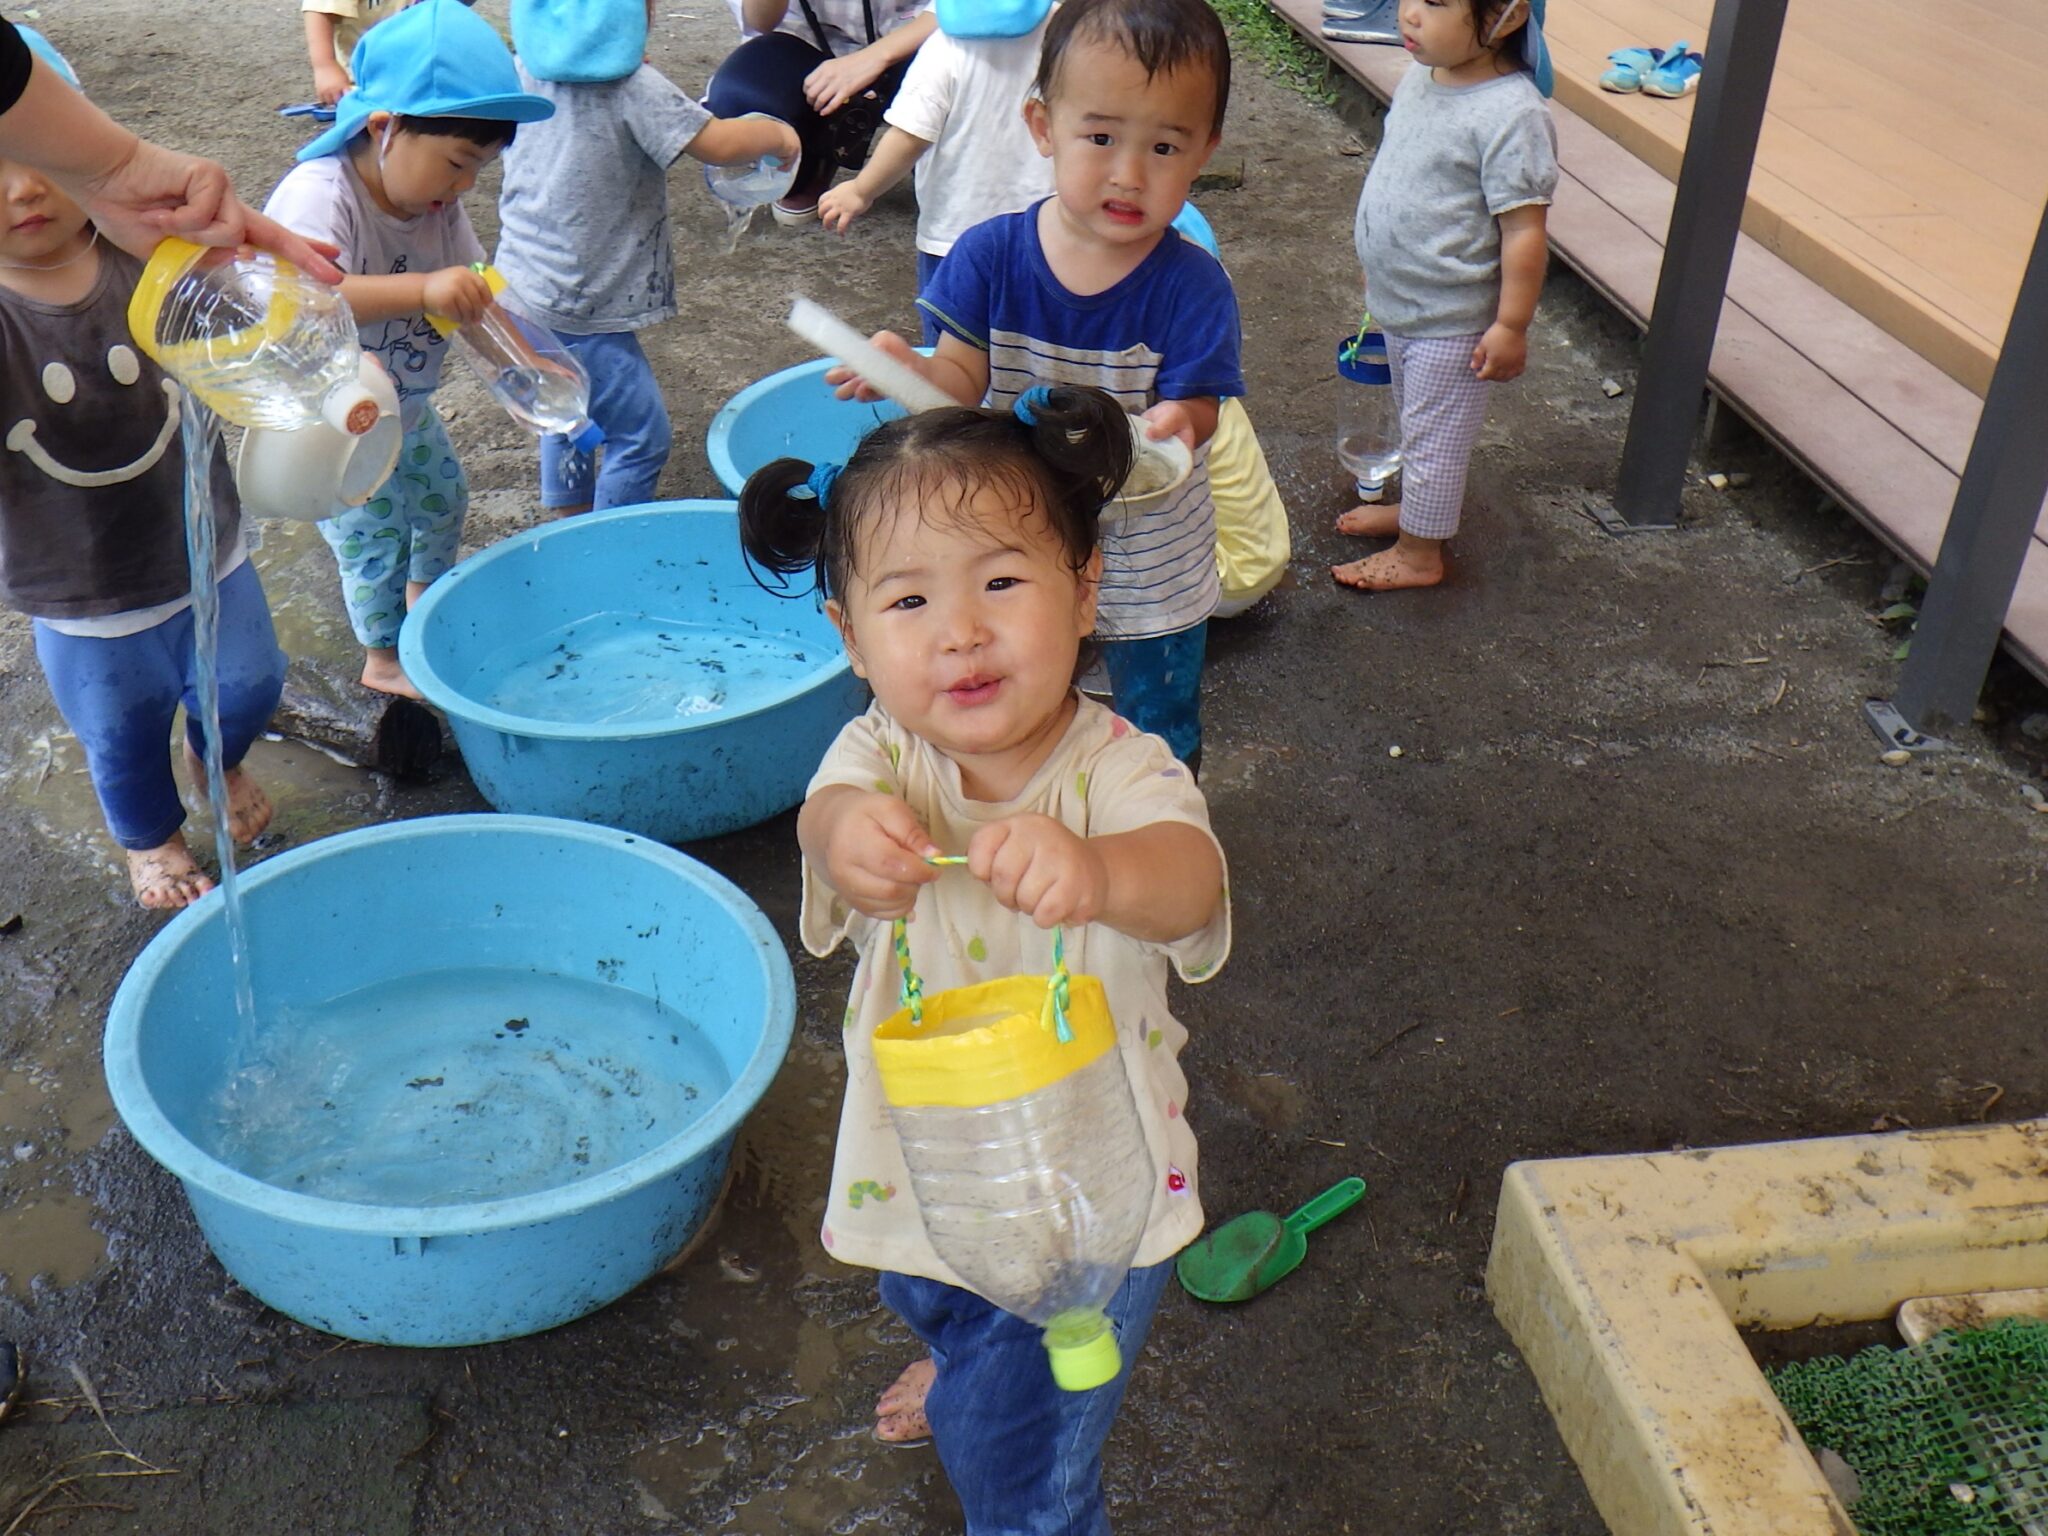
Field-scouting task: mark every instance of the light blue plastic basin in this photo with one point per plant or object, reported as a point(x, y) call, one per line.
point(788, 415)
point(393, 904)
point(673, 779)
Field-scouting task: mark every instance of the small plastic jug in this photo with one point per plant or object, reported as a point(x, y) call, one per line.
point(1368, 426)
point(753, 183)
point(527, 370)
point(253, 337)
point(313, 471)
point(1025, 1150)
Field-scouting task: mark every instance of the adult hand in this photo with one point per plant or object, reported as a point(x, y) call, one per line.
point(837, 81)
point(151, 192)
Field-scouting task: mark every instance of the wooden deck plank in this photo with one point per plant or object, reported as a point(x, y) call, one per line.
point(1884, 430)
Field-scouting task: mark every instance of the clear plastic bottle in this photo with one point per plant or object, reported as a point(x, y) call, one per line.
point(747, 186)
point(1368, 426)
point(1037, 1200)
point(253, 337)
point(527, 370)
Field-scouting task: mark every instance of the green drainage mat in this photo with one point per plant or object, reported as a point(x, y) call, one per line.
point(1947, 1438)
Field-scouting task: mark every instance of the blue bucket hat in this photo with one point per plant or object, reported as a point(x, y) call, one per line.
point(46, 50)
point(579, 41)
point(990, 18)
point(436, 58)
point(1528, 44)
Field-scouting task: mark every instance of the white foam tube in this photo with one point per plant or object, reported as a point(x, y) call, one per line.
point(888, 375)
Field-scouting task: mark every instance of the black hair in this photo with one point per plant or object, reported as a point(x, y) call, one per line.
point(1064, 464)
point(1164, 36)
point(484, 132)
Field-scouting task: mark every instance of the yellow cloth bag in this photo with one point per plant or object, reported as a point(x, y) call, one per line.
point(1252, 544)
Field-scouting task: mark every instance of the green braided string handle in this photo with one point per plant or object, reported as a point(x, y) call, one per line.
point(1052, 1014)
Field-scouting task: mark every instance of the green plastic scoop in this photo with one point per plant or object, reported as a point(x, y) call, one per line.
point(1250, 1252)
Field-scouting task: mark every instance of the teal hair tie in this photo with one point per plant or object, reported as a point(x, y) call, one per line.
point(1030, 403)
point(821, 480)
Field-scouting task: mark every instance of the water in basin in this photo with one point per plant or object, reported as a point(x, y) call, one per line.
point(638, 669)
point(462, 1085)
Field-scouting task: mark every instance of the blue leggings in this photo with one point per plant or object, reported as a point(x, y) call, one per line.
point(120, 696)
point(1156, 684)
point(1024, 1457)
point(625, 401)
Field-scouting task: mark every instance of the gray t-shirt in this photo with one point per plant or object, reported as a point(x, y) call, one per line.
point(583, 217)
point(1453, 160)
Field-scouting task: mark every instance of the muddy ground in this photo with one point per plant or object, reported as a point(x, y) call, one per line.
point(1637, 879)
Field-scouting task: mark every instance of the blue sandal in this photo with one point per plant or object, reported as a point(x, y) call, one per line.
point(1677, 74)
point(1630, 67)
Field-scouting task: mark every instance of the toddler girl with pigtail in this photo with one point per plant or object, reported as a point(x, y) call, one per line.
point(957, 553)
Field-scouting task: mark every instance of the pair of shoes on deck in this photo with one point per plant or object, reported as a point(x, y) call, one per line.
point(1669, 72)
point(1362, 21)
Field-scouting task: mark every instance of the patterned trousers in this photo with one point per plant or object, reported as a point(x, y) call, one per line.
point(1442, 406)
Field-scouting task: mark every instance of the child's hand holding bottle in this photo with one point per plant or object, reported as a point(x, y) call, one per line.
point(456, 293)
point(1037, 866)
point(871, 847)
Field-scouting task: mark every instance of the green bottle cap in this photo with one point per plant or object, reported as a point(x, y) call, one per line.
point(1083, 1350)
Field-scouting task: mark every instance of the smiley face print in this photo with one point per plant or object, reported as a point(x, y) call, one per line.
point(61, 385)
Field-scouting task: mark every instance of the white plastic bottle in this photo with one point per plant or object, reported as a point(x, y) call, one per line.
point(1038, 1198)
point(1368, 427)
point(253, 337)
point(527, 370)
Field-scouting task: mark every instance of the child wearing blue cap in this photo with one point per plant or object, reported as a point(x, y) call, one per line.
point(959, 119)
point(584, 238)
point(92, 538)
point(436, 99)
point(1450, 230)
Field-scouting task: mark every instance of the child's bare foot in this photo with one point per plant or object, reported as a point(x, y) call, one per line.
point(1392, 570)
point(249, 809)
point(164, 878)
point(899, 1413)
point(1372, 520)
point(382, 672)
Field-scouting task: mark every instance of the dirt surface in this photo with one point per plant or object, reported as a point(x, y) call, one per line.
point(1635, 879)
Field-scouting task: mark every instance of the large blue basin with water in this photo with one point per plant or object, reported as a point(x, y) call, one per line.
point(625, 668)
point(500, 1062)
point(788, 415)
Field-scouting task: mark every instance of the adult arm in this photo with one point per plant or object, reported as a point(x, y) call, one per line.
point(763, 15)
point(837, 81)
point(137, 192)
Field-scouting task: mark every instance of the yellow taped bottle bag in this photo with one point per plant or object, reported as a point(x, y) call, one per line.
point(1026, 1156)
point(253, 337)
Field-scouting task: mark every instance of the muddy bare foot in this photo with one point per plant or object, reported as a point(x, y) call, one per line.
point(899, 1412)
point(1372, 520)
point(382, 672)
point(249, 809)
point(164, 878)
point(1391, 570)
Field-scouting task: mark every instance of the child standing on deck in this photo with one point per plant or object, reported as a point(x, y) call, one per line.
point(1091, 286)
point(1450, 230)
point(957, 554)
point(584, 216)
point(959, 119)
point(92, 536)
point(436, 99)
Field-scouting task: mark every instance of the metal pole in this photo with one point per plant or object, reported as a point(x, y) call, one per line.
point(1699, 248)
point(1991, 525)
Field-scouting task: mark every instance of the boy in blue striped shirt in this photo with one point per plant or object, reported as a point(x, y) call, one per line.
point(1094, 286)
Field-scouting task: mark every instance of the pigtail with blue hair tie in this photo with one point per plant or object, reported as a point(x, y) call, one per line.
point(821, 480)
point(1030, 403)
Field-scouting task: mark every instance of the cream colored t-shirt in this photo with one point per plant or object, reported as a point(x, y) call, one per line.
point(1104, 776)
point(352, 18)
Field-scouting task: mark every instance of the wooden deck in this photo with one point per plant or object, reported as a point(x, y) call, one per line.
point(1881, 426)
point(1904, 157)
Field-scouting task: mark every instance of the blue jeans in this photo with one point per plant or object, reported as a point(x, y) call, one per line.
point(627, 403)
point(1024, 1457)
point(1156, 684)
point(120, 695)
point(927, 269)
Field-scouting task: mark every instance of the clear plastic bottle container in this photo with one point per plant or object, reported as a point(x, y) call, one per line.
point(525, 367)
point(253, 337)
point(1368, 426)
point(1037, 1199)
point(747, 186)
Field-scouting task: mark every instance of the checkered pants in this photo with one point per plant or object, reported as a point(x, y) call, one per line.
point(1442, 406)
